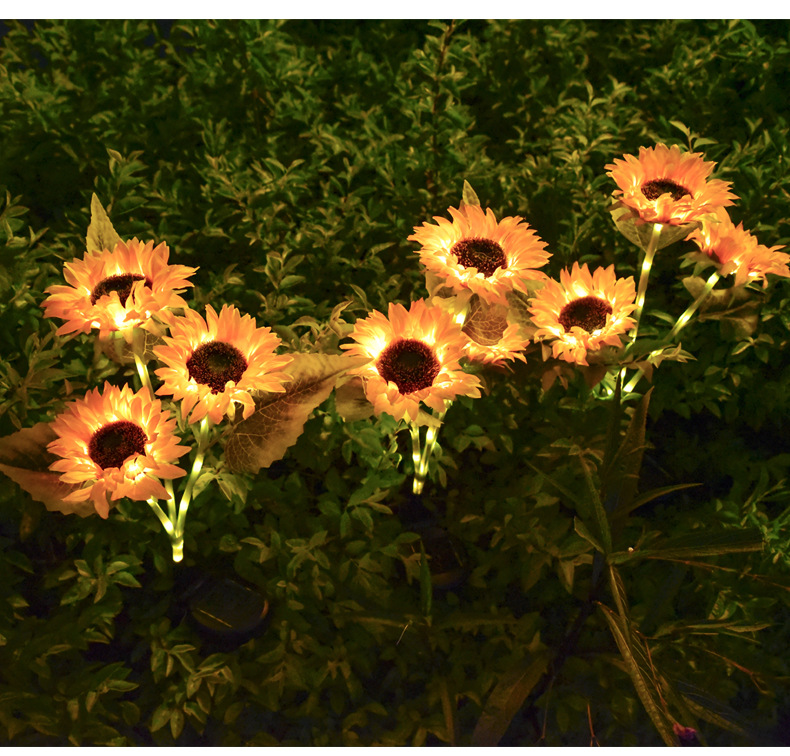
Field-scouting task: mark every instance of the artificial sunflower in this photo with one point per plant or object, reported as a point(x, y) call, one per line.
point(115, 444)
point(211, 364)
point(583, 312)
point(414, 357)
point(475, 254)
point(118, 290)
point(738, 252)
point(665, 185)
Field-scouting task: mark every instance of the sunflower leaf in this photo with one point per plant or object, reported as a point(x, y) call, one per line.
point(279, 418)
point(24, 458)
point(350, 400)
point(638, 232)
point(469, 196)
point(485, 323)
point(101, 234)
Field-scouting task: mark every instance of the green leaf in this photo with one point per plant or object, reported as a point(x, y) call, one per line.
point(582, 530)
point(703, 543)
point(654, 493)
point(350, 400)
point(101, 234)
point(448, 709)
point(160, 718)
point(279, 418)
point(176, 722)
point(638, 232)
point(426, 586)
point(620, 477)
point(636, 657)
point(127, 579)
point(646, 696)
point(469, 197)
point(601, 520)
point(506, 699)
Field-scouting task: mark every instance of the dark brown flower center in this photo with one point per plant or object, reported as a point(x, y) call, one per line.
point(113, 444)
point(410, 364)
point(655, 188)
point(483, 254)
point(215, 363)
point(121, 283)
point(588, 313)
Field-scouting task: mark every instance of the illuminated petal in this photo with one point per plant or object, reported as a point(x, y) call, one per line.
point(418, 352)
point(665, 185)
point(583, 312)
point(195, 348)
point(476, 254)
point(141, 450)
point(737, 252)
point(117, 290)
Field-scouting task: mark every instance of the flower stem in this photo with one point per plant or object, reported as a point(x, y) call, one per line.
point(416, 456)
point(201, 436)
point(138, 350)
point(647, 264)
point(171, 501)
point(641, 291)
point(421, 460)
point(694, 306)
point(167, 523)
point(681, 323)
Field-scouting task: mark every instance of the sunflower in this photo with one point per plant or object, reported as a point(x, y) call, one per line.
point(584, 312)
point(475, 254)
point(413, 357)
point(492, 337)
point(118, 290)
point(665, 185)
point(116, 443)
point(738, 252)
point(213, 363)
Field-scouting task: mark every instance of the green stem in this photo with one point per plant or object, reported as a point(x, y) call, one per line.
point(641, 291)
point(681, 323)
point(416, 456)
point(694, 306)
point(171, 501)
point(201, 436)
point(167, 523)
point(138, 350)
point(647, 264)
point(421, 461)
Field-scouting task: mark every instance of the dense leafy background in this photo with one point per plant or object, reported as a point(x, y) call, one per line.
point(290, 161)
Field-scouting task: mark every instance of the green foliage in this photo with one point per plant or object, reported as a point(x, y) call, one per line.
point(621, 562)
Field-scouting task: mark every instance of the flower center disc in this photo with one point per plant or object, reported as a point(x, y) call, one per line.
point(410, 364)
point(588, 313)
point(215, 363)
point(121, 283)
point(113, 444)
point(483, 254)
point(655, 188)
